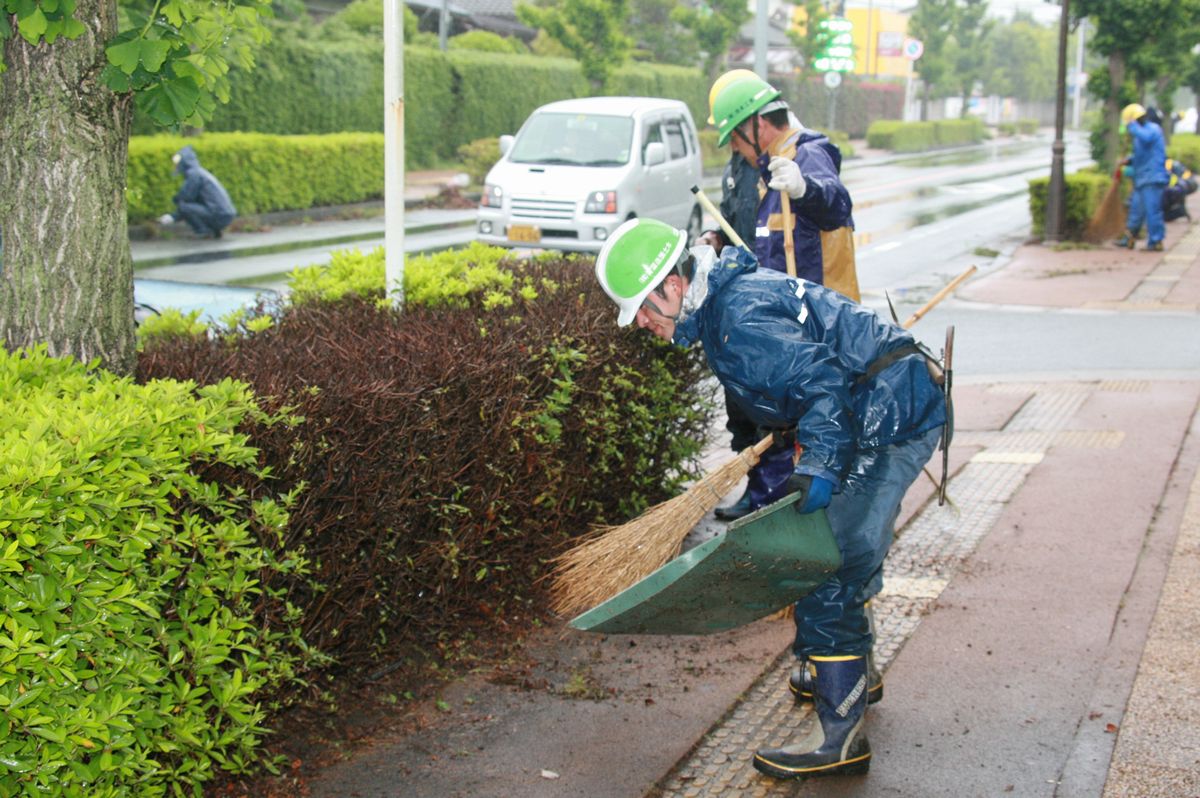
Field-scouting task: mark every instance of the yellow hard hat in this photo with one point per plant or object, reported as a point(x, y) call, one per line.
point(1132, 112)
point(724, 81)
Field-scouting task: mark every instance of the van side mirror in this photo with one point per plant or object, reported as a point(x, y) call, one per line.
point(656, 153)
point(506, 143)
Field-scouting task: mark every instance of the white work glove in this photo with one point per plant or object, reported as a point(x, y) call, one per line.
point(785, 176)
point(166, 218)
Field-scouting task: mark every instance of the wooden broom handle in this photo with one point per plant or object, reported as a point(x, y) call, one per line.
point(789, 241)
point(938, 297)
point(730, 233)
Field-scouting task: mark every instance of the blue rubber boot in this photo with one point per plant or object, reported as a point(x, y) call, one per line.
point(801, 680)
point(837, 744)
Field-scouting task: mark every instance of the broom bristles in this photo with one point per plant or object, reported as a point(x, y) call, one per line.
point(612, 559)
point(1109, 219)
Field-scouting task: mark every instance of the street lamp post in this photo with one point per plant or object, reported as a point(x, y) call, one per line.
point(1056, 198)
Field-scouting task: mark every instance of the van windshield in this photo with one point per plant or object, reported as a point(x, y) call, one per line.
point(576, 139)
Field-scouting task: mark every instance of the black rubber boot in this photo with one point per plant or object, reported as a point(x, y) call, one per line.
point(736, 510)
point(837, 744)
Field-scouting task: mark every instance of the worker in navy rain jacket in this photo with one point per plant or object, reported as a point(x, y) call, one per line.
point(202, 201)
point(866, 410)
point(792, 161)
point(788, 161)
point(1150, 178)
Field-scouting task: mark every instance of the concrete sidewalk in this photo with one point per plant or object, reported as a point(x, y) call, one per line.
point(1039, 635)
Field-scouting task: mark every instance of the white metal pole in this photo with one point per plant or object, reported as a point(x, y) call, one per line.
point(760, 39)
point(393, 148)
point(1077, 104)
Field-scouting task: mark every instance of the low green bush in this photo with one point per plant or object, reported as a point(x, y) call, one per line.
point(140, 642)
point(882, 132)
point(450, 450)
point(891, 134)
point(1085, 190)
point(1185, 147)
point(478, 157)
point(260, 171)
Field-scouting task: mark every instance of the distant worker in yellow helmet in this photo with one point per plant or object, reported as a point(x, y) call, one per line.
point(822, 231)
point(1150, 178)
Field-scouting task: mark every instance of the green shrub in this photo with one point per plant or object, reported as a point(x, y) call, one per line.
point(1085, 190)
point(496, 93)
point(450, 450)
point(261, 172)
point(1185, 147)
point(134, 654)
point(882, 132)
point(1027, 127)
point(487, 42)
point(890, 134)
point(478, 157)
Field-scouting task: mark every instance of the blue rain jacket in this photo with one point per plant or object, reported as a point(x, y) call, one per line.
point(201, 187)
point(1149, 154)
point(825, 205)
point(790, 352)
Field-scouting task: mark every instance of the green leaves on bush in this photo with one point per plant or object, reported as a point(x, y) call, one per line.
point(1085, 190)
point(448, 450)
point(897, 136)
point(131, 660)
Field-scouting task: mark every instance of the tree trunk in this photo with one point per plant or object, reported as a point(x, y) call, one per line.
point(64, 247)
point(1112, 111)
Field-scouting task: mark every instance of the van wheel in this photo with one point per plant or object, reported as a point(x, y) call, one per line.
point(695, 225)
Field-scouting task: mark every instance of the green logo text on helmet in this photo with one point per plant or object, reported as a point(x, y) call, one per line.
point(635, 259)
point(737, 101)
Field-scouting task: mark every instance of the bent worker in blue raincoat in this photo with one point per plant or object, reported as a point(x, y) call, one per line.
point(866, 411)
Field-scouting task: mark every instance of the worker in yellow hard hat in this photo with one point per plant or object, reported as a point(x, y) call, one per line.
point(1150, 177)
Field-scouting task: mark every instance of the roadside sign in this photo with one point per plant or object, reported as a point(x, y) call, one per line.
point(838, 53)
point(833, 80)
point(913, 48)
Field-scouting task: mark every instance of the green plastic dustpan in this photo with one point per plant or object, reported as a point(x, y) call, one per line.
point(761, 563)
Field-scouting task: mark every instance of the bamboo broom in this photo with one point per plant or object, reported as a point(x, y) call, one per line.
point(613, 558)
point(1109, 219)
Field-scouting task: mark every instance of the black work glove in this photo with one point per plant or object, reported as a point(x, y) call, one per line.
point(779, 437)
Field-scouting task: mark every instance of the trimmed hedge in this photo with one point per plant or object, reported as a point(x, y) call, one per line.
point(138, 643)
point(1185, 147)
point(897, 136)
point(451, 98)
point(261, 172)
point(1085, 190)
point(448, 451)
point(496, 93)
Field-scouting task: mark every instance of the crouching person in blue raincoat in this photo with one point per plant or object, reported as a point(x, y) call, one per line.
point(201, 201)
point(867, 411)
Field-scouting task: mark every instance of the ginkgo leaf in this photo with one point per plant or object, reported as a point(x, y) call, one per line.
point(125, 56)
point(32, 27)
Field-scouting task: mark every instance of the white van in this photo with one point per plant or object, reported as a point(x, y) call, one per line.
point(578, 168)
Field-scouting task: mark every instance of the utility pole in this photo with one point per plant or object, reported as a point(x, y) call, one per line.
point(393, 148)
point(760, 40)
point(1056, 197)
point(1077, 106)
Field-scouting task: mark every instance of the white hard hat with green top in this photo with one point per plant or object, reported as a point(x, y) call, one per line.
point(635, 259)
point(737, 101)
